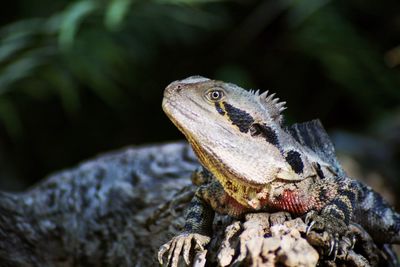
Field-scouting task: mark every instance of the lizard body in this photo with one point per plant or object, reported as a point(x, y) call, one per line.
point(254, 163)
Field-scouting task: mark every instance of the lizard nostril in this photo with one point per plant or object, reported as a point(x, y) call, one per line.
point(172, 89)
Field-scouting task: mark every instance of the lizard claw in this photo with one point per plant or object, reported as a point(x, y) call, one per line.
point(353, 240)
point(331, 246)
point(181, 244)
point(333, 251)
point(309, 227)
point(332, 226)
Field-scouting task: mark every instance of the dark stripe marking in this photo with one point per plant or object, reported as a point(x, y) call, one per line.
point(348, 193)
point(238, 117)
point(265, 131)
point(323, 194)
point(336, 214)
point(320, 173)
point(342, 206)
point(193, 204)
point(219, 108)
point(294, 159)
point(195, 216)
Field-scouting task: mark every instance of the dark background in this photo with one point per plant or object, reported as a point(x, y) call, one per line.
point(78, 78)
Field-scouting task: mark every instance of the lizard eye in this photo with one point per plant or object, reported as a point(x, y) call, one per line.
point(215, 95)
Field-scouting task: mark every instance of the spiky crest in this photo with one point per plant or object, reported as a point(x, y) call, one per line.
point(255, 92)
point(272, 104)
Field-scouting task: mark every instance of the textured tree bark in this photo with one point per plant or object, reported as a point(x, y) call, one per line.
point(118, 209)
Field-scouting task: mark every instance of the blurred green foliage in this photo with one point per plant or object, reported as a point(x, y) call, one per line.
point(79, 77)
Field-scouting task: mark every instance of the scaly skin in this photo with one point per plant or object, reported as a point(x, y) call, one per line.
point(253, 163)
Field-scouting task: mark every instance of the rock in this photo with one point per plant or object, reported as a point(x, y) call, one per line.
point(119, 208)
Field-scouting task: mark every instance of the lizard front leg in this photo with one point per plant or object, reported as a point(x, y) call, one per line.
point(335, 215)
point(199, 218)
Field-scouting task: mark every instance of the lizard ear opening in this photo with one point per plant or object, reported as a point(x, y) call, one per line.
point(272, 104)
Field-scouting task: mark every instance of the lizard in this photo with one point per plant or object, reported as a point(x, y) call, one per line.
point(252, 162)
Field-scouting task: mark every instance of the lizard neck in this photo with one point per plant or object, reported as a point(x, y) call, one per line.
point(250, 196)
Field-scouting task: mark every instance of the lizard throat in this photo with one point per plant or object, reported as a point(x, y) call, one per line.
point(253, 197)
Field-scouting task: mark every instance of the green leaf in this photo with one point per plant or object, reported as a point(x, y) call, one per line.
point(116, 12)
point(72, 19)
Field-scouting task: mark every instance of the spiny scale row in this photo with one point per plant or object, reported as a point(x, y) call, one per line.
point(270, 100)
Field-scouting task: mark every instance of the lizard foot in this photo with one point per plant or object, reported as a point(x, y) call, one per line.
point(335, 228)
point(182, 244)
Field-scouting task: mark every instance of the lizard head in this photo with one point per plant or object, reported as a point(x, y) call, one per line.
point(236, 134)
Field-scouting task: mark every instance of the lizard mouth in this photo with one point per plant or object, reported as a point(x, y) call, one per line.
point(173, 110)
point(170, 107)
